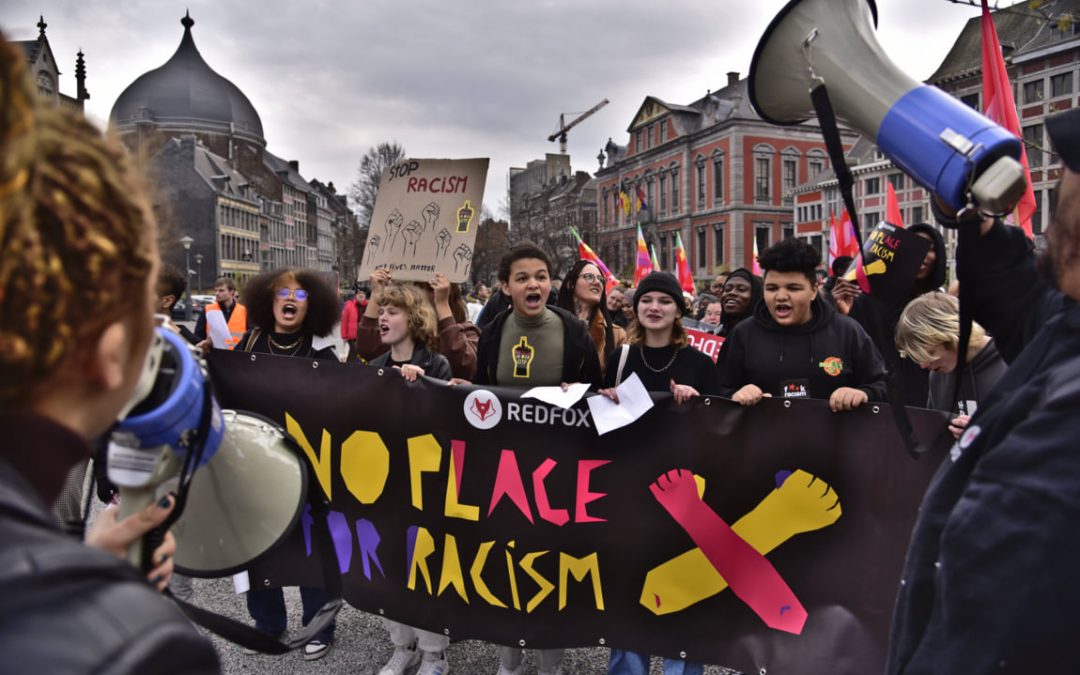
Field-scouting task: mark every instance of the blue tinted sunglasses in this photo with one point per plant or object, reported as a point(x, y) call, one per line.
point(300, 294)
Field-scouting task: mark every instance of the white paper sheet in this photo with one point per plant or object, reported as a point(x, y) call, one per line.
point(634, 401)
point(556, 396)
point(218, 330)
point(241, 582)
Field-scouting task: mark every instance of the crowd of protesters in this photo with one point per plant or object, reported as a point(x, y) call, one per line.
point(991, 572)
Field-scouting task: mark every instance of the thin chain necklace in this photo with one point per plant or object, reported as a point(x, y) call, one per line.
point(295, 346)
point(657, 370)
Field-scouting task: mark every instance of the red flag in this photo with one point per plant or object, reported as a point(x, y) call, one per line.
point(841, 238)
point(892, 209)
point(1000, 106)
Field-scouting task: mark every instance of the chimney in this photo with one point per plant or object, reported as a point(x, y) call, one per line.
point(732, 77)
point(294, 165)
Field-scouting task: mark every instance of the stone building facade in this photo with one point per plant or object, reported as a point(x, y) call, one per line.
point(200, 131)
point(45, 72)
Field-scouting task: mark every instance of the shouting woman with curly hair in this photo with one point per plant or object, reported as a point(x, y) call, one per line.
point(289, 309)
point(78, 266)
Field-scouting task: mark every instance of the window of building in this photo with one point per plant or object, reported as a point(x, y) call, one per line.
point(674, 191)
point(1037, 216)
point(971, 100)
point(663, 194)
point(1061, 84)
point(701, 248)
point(1033, 143)
point(650, 195)
point(637, 142)
point(788, 230)
point(762, 179)
point(718, 244)
point(916, 215)
point(1033, 91)
point(662, 253)
point(816, 242)
point(649, 137)
point(791, 167)
point(718, 179)
point(762, 236)
point(873, 186)
point(816, 166)
point(701, 181)
point(870, 221)
point(898, 181)
point(663, 131)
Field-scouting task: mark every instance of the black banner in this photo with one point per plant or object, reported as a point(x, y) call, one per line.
point(484, 515)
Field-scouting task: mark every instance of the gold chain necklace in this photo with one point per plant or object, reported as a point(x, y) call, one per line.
point(295, 346)
point(645, 361)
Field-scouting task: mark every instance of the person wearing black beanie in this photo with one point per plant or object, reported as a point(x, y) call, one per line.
point(664, 282)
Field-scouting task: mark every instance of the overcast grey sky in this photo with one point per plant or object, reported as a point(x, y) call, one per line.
point(474, 78)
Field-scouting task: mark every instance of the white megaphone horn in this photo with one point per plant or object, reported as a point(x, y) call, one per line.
point(237, 500)
point(945, 146)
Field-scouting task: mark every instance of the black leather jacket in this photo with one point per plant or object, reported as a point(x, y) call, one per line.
point(68, 608)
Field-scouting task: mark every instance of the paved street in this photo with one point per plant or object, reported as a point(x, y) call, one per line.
point(362, 646)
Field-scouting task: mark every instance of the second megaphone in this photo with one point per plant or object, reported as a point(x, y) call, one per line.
point(944, 145)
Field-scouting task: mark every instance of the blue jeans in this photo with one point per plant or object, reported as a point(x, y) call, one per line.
point(267, 607)
point(635, 663)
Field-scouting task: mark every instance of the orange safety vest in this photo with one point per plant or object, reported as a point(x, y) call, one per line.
point(237, 322)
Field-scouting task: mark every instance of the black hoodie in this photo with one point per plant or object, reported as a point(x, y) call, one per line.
point(879, 321)
point(812, 360)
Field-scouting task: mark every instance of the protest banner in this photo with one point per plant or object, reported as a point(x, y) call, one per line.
point(481, 515)
point(425, 219)
point(707, 343)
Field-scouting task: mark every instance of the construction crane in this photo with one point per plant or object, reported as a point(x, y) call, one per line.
point(564, 127)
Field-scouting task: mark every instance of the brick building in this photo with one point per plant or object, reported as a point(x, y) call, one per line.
point(1042, 54)
point(712, 171)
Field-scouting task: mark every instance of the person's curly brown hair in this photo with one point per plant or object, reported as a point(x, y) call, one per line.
point(77, 239)
point(422, 321)
point(322, 310)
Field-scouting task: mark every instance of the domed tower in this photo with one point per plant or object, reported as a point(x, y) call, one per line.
point(183, 97)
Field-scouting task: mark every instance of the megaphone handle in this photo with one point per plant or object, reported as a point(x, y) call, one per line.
point(133, 500)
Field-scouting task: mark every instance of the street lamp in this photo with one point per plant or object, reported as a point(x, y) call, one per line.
point(186, 242)
point(198, 268)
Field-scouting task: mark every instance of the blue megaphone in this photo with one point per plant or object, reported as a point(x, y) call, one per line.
point(951, 150)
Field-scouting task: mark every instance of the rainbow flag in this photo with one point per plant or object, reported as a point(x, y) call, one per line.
point(585, 252)
point(755, 265)
point(644, 264)
point(682, 266)
point(655, 261)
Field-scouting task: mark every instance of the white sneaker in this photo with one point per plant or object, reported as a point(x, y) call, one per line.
point(401, 660)
point(316, 649)
point(433, 664)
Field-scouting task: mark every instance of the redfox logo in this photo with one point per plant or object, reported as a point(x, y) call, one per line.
point(483, 409)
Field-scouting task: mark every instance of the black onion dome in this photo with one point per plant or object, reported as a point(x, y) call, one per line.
point(186, 94)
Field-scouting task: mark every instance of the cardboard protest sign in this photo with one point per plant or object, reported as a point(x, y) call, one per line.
point(757, 538)
point(890, 260)
point(425, 219)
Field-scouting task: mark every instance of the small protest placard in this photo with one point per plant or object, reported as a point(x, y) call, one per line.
point(889, 264)
point(425, 219)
